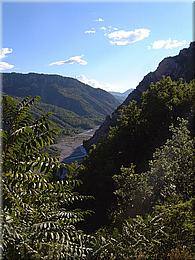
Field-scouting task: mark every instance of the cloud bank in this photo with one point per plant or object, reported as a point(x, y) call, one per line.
point(108, 28)
point(91, 31)
point(94, 83)
point(123, 38)
point(103, 28)
point(167, 44)
point(71, 60)
point(3, 54)
point(5, 66)
point(99, 19)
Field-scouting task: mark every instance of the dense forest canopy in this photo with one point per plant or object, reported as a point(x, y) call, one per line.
point(137, 195)
point(140, 129)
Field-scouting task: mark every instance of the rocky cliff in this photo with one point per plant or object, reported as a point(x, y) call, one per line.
point(179, 66)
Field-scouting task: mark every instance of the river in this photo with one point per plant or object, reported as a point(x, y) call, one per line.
point(71, 147)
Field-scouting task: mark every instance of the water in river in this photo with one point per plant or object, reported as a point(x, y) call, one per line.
point(77, 155)
point(72, 150)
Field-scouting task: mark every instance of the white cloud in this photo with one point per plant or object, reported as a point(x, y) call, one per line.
point(108, 28)
point(123, 38)
point(5, 66)
point(167, 44)
point(94, 83)
point(99, 20)
point(103, 28)
point(120, 43)
point(71, 60)
point(4, 52)
point(91, 31)
point(58, 63)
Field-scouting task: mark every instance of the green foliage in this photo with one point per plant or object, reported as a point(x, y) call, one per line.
point(68, 121)
point(141, 127)
point(154, 236)
point(168, 97)
point(138, 235)
point(133, 192)
point(178, 221)
point(171, 171)
point(39, 214)
point(180, 253)
point(169, 179)
point(166, 231)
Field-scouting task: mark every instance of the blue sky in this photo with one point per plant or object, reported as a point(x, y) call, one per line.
point(107, 45)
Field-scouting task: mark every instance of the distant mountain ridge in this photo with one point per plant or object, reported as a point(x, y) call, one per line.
point(179, 66)
point(72, 97)
point(121, 96)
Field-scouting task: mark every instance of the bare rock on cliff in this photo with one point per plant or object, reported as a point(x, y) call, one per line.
point(179, 66)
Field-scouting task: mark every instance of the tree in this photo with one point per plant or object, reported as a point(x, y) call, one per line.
point(166, 229)
point(171, 171)
point(133, 192)
point(140, 128)
point(39, 216)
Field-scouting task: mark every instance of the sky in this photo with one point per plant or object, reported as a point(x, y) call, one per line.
point(107, 45)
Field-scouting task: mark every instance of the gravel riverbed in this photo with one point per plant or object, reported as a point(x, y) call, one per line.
point(67, 145)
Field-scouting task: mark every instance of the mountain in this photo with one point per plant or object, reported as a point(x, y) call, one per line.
point(121, 96)
point(74, 103)
point(179, 66)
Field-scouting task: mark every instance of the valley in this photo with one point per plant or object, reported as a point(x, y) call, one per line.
point(89, 171)
point(71, 148)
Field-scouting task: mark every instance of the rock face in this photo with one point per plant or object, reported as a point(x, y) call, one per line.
point(179, 66)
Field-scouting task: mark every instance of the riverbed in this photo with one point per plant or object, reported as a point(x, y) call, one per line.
point(71, 147)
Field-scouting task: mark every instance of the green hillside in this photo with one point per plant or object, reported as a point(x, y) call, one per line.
point(65, 119)
point(140, 129)
point(74, 104)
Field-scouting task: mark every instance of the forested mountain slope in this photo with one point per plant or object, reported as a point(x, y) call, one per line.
point(179, 66)
point(68, 98)
point(141, 127)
